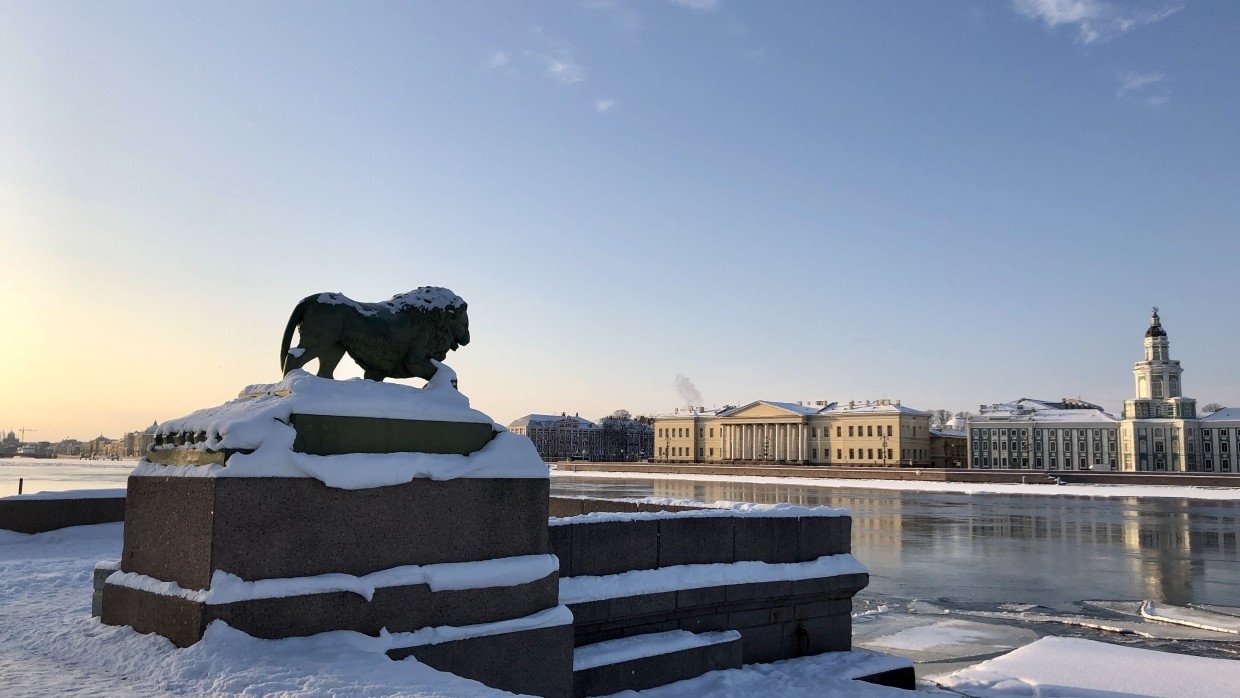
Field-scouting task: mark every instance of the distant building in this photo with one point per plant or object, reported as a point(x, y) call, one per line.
point(561, 437)
point(949, 448)
point(1042, 435)
point(1159, 429)
point(870, 433)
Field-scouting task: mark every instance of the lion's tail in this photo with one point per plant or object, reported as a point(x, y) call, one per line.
point(299, 312)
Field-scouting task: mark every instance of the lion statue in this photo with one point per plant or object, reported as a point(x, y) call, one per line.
point(393, 339)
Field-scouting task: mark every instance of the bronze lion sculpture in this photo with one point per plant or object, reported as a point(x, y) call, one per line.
point(392, 339)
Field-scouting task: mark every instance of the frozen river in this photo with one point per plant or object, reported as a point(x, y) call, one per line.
point(1051, 551)
point(60, 475)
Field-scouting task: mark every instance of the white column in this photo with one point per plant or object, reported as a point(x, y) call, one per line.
point(804, 441)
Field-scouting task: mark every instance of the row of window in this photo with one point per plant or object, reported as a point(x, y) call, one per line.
point(1051, 463)
point(860, 430)
point(1038, 433)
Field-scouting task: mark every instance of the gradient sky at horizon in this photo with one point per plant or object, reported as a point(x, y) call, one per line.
point(948, 203)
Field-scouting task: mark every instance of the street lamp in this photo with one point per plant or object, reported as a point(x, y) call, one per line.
point(884, 437)
point(667, 449)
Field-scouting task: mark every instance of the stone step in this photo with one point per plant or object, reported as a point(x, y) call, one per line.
point(654, 659)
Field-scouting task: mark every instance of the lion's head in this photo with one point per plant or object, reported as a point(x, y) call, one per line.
point(449, 330)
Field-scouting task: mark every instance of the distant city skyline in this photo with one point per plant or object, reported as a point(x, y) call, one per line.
point(949, 203)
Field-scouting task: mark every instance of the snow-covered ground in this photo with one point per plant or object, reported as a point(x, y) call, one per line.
point(1146, 491)
point(51, 646)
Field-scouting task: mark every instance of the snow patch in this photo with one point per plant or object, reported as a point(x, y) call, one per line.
point(649, 645)
point(447, 576)
point(1058, 666)
point(677, 577)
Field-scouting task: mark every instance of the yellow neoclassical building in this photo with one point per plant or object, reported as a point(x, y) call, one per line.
point(870, 433)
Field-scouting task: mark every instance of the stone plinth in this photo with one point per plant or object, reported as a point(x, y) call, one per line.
point(456, 569)
point(183, 529)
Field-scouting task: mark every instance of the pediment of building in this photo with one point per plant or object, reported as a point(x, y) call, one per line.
point(762, 410)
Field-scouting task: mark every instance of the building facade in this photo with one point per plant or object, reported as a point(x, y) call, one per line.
point(561, 437)
point(871, 433)
point(1159, 429)
point(1042, 435)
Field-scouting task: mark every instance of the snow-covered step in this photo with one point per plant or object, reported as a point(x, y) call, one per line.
point(655, 659)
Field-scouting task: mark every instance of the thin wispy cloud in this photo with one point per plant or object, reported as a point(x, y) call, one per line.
point(558, 59)
point(699, 5)
point(603, 106)
point(1096, 20)
point(498, 59)
point(1149, 88)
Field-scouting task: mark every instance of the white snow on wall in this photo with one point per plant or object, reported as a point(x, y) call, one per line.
point(674, 578)
point(720, 509)
point(649, 645)
point(229, 588)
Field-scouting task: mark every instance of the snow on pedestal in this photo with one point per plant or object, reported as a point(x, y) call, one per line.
point(312, 505)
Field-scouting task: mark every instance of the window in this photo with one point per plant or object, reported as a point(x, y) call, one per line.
point(712, 432)
point(1037, 462)
point(813, 432)
point(888, 430)
point(850, 430)
point(700, 453)
point(839, 454)
point(871, 456)
point(869, 430)
point(851, 455)
point(813, 453)
point(839, 431)
point(702, 432)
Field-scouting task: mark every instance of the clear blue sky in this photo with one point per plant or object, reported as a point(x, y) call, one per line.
point(950, 202)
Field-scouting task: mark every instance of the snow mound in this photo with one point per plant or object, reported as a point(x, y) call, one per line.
point(1058, 666)
point(257, 425)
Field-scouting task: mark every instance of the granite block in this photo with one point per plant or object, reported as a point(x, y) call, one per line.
point(182, 529)
point(560, 544)
point(658, 670)
point(168, 529)
point(765, 643)
point(590, 611)
point(749, 619)
point(180, 620)
point(39, 515)
point(822, 535)
point(704, 596)
point(641, 605)
point(612, 547)
point(774, 540)
point(696, 541)
point(590, 506)
point(758, 590)
point(562, 507)
point(707, 622)
point(506, 661)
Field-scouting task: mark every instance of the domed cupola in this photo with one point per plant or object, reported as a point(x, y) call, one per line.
point(1156, 329)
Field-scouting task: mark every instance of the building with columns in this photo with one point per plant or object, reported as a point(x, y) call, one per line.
point(1159, 429)
point(870, 433)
